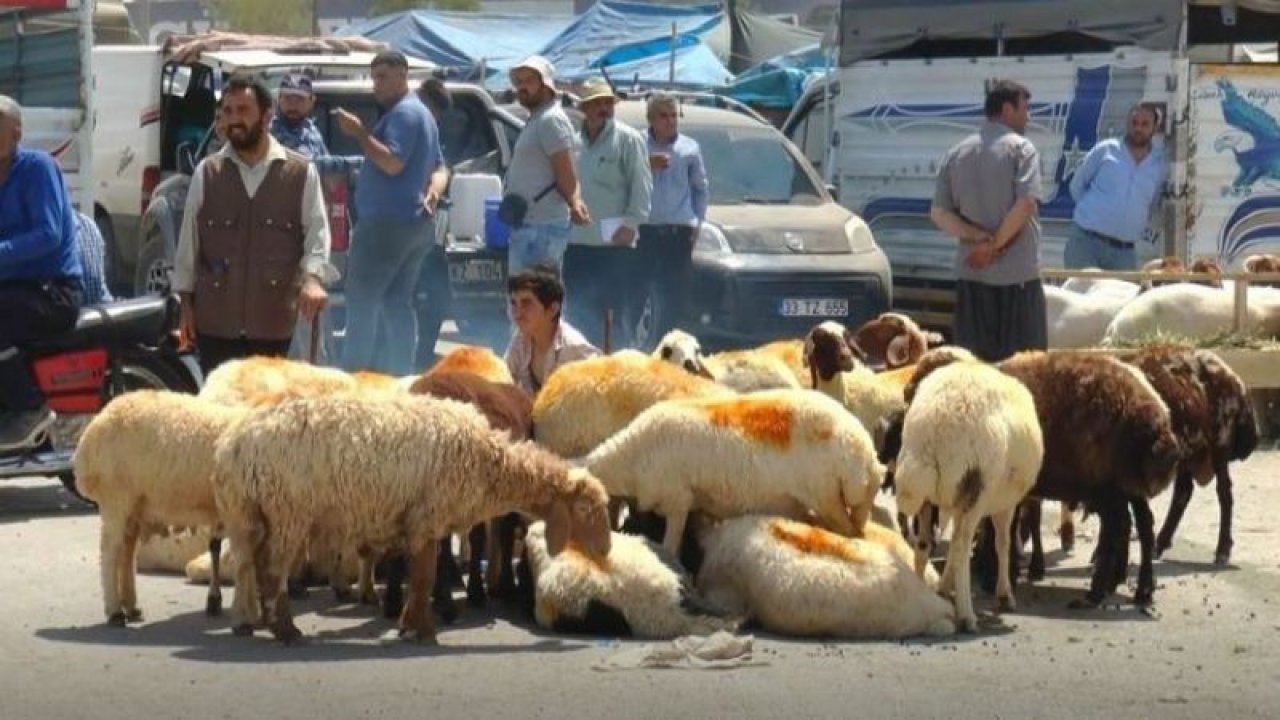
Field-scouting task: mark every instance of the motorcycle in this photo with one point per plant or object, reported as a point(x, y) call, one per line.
point(113, 349)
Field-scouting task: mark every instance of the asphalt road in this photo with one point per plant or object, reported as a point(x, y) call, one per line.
point(1211, 652)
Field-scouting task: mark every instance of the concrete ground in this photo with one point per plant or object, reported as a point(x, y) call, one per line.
point(1212, 651)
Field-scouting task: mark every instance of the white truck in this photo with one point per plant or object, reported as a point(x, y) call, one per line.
point(910, 83)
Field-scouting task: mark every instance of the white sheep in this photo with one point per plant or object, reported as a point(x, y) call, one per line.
point(742, 370)
point(382, 472)
point(971, 446)
point(1192, 311)
point(785, 452)
point(146, 460)
point(870, 397)
point(585, 402)
point(797, 579)
point(1080, 320)
point(638, 590)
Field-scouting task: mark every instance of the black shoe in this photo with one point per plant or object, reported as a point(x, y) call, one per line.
point(22, 430)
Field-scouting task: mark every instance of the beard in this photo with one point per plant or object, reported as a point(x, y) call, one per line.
point(1138, 141)
point(244, 137)
point(530, 100)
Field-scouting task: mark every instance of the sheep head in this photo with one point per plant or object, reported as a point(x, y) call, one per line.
point(1208, 266)
point(1262, 263)
point(932, 360)
point(580, 515)
point(895, 339)
point(1236, 425)
point(684, 351)
point(829, 349)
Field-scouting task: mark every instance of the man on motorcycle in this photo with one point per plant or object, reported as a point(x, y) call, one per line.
point(40, 274)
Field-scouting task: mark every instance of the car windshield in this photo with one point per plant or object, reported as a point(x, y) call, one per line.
point(752, 165)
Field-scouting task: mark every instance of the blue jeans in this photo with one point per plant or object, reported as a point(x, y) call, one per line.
point(1086, 249)
point(537, 243)
point(382, 269)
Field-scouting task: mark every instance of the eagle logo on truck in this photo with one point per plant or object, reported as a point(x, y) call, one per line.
point(1254, 141)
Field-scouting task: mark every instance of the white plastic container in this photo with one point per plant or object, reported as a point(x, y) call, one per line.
point(468, 193)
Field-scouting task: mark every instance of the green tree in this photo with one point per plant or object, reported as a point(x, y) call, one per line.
point(279, 17)
point(383, 7)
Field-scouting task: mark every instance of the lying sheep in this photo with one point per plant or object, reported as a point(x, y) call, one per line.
point(1194, 312)
point(393, 472)
point(796, 579)
point(585, 402)
point(780, 451)
point(744, 370)
point(1077, 320)
point(1214, 420)
point(972, 447)
point(146, 460)
point(638, 590)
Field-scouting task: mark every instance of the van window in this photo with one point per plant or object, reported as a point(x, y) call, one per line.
point(753, 165)
point(465, 130)
point(816, 136)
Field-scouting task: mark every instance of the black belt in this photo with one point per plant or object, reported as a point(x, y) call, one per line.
point(1118, 244)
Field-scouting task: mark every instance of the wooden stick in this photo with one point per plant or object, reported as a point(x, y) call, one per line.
point(314, 351)
point(608, 330)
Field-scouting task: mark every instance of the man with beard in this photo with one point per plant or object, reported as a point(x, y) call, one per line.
point(1115, 189)
point(254, 242)
point(395, 208)
point(293, 125)
point(542, 172)
point(987, 197)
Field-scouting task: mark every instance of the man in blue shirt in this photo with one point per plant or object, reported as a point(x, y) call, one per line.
point(678, 209)
point(40, 274)
point(1115, 190)
point(394, 219)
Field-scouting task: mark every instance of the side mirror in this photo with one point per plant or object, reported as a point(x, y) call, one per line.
point(832, 190)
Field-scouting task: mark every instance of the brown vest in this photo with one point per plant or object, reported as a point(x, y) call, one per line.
point(249, 251)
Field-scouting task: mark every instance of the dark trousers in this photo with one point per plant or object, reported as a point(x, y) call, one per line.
point(215, 350)
point(997, 321)
point(29, 311)
point(433, 301)
point(666, 260)
point(596, 279)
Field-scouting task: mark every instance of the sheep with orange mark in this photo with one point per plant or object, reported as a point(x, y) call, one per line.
point(383, 472)
point(742, 370)
point(147, 461)
point(585, 402)
point(796, 579)
point(785, 452)
point(475, 360)
point(791, 353)
point(971, 447)
point(833, 359)
point(639, 590)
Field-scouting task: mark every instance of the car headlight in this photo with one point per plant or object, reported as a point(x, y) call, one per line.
point(711, 239)
point(859, 234)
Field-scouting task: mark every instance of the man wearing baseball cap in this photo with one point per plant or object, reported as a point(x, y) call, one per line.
point(542, 172)
point(292, 125)
point(613, 164)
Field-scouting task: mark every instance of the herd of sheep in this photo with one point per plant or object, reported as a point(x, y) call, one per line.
point(798, 487)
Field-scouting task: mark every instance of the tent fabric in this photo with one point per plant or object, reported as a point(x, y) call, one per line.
point(461, 41)
point(870, 28)
point(779, 82)
point(758, 38)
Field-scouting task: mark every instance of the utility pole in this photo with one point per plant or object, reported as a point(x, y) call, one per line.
point(315, 18)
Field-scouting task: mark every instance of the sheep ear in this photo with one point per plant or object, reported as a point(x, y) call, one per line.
point(872, 340)
point(558, 522)
point(898, 352)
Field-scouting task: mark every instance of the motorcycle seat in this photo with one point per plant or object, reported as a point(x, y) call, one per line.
point(124, 322)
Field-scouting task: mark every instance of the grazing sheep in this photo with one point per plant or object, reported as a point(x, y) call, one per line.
point(832, 357)
point(585, 402)
point(743, 371)
point(638, 590)
point(1213, 418)
point(780, 451)
point(894, 340)
point(797, 579)
point(146, 460)
point(381, 473)
point(971, 446)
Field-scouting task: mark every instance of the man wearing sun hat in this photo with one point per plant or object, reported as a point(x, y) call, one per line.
point(613, 168)
point(541, 173)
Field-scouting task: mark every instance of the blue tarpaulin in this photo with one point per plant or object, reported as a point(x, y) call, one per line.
point(779, 82)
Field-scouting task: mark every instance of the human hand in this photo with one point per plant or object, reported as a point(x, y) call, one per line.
point(187, 327)
point(348, 122)
point(578, 212)
point(624, 237)
point(431, 201)
point(982, 255)
point(659, 161)
point(312, 298)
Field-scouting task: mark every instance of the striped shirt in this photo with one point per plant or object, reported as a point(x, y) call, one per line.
point(92, 251)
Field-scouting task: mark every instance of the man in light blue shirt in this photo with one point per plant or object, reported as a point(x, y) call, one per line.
point(394, 226)
point(679, 207)
point(1115, 189)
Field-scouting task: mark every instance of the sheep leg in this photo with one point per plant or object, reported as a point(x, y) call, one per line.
point(273, 562)
point(213, 601)
point(1144, 596)
point(1121, 562)
point(368, 594)
point(393, 595)
point(475, 568)
point(129, 571)
point(1067, 526)
point(1004, 547)
point(442, 584)
point(416, 623)
point(958, 556)
point(505, 548)
point(1183, 488)
point(1112, 511)
point(676, 520)
point(1222, 556)
point(497, 555)
point(923, 544)
point(111, 544)
point(246, 605)
point(1032, 511)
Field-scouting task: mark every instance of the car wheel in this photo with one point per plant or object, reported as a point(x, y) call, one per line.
point(152, 276)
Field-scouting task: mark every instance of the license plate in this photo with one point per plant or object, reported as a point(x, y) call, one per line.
point(476, 271)
point(814, 307)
